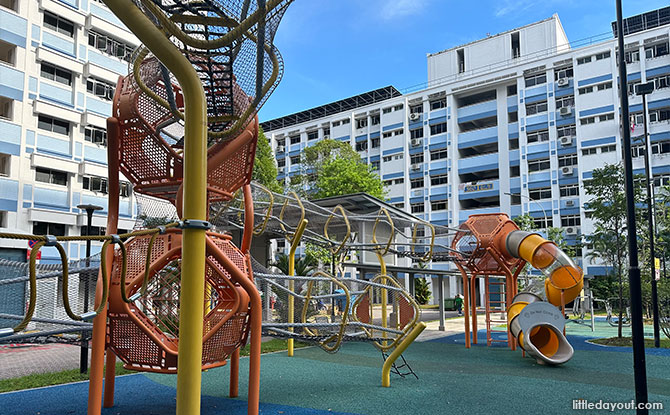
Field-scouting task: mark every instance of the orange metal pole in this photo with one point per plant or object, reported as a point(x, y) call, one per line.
point(110, 378)
point(234, 374)
point(473, 305)
point(466, 302)
point(100, 321)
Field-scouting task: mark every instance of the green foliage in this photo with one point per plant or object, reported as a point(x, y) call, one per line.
point(608, 240)
point(421, 291)
point(302, 265)
point(524, 222)
point(265, 165)
point(151, 222)
point(321, 255)
point(333, 168)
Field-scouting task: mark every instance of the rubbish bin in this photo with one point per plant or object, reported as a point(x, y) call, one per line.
point(450, 304)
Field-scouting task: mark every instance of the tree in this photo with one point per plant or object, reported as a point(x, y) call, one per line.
point(524, 222)
point(265, 165)
point(607, 205)
point(333, 168)
point(302, 266)
point(421, 291)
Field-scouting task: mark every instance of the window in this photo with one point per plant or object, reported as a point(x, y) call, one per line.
point(654, 51)
point(587, 120)
point(658, 115)
point(604, 86)
point(511, 90)
point(10, 4)
point(95, 231)
point(566, 101)
point(100, 89)
point(416, 109)
point(95, 135)
point(362, 146)
point(7, 53)
point(281, 162)
point(391, 182)
point(55, 73)
point(542, 193)
point(632, 56)
point(417, 133)
point(326, 132)
point(58, 24)
point(606, 117)
point(512, 116)
point(295, 139)
point(53, 124)
point(400, 205)
point(387, 134)
point(416, 183)
point(438, 154)
point(438, 128)
point(95, 184)
point(110, 45)
point(438, 180)
point(312, 135)
point(583, 60)
point(374, 142)
point(608, 149)
point(661, 82)
point(124, 189)
point(441, 205)
point(538, 136)
point(566, 131)
point(590, 151)
point(536, 79)
point(516, 45)
point(543, 222)
point(361, 123)
point(564, 73)
point(50, 176)
point(513, 143)
point(5, 160)
point(538, 165)
point(570, 220)
point(632, 85)
point(374, 165)
point(569, 160)
point(438, 104)
point(460, 55)
point(536, 107)
point(374, 119)
point(416, 158)
point(585, 90)
point(662, 147)
point(46, 228)
point(387, 110)
point(603, 55)
point(295, 160)
point(417, 207)
point(661, 180)
point(569, 190)
point(398, 107)
point(6, 108)
point(398, 132)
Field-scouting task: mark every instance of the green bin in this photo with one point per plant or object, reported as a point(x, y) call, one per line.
point(450, 304)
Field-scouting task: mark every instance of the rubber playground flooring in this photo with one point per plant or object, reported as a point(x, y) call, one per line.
point(452, 379)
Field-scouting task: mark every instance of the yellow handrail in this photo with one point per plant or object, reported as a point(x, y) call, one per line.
point(295, 241)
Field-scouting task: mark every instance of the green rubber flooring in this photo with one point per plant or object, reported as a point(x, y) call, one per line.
point(452, 380)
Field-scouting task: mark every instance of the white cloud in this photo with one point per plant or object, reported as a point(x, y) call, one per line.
point(509, 6)
point(392, 9)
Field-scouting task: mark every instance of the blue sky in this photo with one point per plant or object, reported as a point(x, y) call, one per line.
point(334, 49)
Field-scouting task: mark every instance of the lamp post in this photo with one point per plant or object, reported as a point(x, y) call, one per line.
point(544, 212)
point(635, 287)
point(644, 89)
point(83, 356)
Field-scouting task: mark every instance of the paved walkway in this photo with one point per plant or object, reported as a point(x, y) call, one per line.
point(18, 360)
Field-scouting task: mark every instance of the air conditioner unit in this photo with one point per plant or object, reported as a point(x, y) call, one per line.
point(563, 82)
point(567, 170)
point(281, 170)
point(565, 111)
point(414, 116)
point(415, 167)
point(326, 137)
point(566, 141)
point(572, 230)
point(569, 203)
point(280, 149)
point(416, 142)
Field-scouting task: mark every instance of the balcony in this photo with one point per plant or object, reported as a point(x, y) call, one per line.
point(478, 190)
point(477, 111)
point(478, 137)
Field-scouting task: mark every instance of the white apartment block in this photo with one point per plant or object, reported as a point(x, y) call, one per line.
point(513, 123)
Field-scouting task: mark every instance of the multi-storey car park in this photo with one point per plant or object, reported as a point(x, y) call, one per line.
point(59, 64)
point(514, 123)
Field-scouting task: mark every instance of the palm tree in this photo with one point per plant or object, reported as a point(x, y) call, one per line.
point(303, 265)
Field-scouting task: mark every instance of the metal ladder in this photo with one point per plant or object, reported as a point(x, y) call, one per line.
point(495, 307)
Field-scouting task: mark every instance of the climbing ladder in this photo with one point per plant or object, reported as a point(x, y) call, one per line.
point(401, 369)
point(496, 308)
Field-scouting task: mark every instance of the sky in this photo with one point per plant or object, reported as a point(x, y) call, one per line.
point(334, 49)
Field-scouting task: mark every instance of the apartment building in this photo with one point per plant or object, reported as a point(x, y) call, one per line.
point(59, 64)
point(513, 123)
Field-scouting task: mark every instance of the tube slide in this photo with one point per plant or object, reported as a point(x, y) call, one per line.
point(538, 325)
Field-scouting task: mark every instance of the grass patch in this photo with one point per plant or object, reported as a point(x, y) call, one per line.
point(627, 342)
point(429, 306)
point(38, 380)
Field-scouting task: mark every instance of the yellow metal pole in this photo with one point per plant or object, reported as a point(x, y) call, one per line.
point(384, 294)
point(195, 200)
point(295, 241)
point(388, 364)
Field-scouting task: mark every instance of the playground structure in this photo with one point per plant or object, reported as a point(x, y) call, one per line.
point(499, 249)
